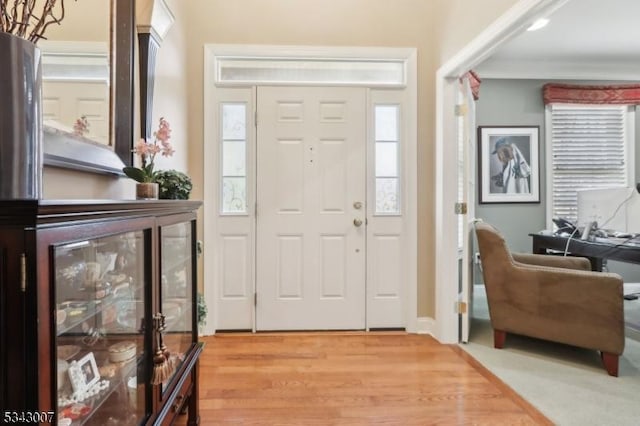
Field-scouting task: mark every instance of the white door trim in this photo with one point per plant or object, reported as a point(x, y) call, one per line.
point(515, 20)
point(211, 208)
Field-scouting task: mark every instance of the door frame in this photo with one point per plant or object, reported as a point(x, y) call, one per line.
point(408, 56)
point(511, 23)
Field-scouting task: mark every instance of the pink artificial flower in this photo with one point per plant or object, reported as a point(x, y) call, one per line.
point(148, 150)
point(142, 147)
point(167, 150)
point(81, 126)
point(153, 149)
point(164, 131)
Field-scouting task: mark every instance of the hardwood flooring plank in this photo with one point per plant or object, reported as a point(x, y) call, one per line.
point(350, 378)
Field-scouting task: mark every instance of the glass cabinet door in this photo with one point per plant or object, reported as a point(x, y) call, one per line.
point(176, 293)
point(100, 330)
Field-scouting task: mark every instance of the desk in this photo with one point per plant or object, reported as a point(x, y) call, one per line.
point(595, 251)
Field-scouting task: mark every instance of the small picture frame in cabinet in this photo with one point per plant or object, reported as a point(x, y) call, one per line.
point(84, 373)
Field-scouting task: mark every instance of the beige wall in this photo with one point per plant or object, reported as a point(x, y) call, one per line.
point(455, 23)
point(400, 23)
point(170, 93)
point(459, 21)
point(437, 28)
point(84, 20)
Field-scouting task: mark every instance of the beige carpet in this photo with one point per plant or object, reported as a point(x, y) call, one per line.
point(567, 384)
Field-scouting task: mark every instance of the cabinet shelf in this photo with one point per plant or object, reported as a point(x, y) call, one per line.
point(95, 308)
point(96, 402)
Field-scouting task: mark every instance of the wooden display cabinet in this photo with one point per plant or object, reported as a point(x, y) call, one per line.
point(98, 311)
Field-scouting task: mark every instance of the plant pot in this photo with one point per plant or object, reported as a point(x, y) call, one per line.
point(20, 119)
point(147, 191)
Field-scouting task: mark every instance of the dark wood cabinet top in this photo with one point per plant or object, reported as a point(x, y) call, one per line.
point(42, 212)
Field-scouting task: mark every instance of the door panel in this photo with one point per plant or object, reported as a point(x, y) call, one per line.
point(311, 171)
point(233, 266)
point(467, 137)
point(387, 240)
point(65, 102)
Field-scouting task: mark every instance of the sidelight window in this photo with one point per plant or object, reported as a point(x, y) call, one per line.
point(234, 158)
point(387, 138)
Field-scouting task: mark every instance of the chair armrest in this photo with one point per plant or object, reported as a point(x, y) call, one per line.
point(568, 262)
point(581, 308)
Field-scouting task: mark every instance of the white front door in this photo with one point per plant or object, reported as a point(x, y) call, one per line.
point(310, 266)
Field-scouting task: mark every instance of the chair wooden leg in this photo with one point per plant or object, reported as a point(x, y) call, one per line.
point(499, 337)
point(610, 362)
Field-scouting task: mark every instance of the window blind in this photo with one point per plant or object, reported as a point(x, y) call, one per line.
point(588, 147)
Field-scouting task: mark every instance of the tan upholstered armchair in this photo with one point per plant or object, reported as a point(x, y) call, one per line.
point(551, 297)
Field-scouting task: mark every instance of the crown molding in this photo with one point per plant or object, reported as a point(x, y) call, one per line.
point(154, 17)
point(559, 70)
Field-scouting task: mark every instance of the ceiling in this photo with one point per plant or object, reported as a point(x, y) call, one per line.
point(585, 39)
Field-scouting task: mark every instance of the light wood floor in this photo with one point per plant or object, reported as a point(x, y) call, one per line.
point(350, 378)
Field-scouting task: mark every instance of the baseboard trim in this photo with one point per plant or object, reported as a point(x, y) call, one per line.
point(426, 325)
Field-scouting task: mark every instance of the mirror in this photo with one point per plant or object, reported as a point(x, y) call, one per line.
point(87, 68)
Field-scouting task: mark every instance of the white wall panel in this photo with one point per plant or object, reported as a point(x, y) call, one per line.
point(290, 112)
point(290, 264)
point(234, 266)
point(386, 264)
point(332, 112)
point(290, 178)
point(334, 175)
point(332, 266)
point(95, 110)
point(51, 108)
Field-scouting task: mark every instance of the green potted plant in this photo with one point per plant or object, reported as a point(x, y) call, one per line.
point(174, 185)
point(202, 311)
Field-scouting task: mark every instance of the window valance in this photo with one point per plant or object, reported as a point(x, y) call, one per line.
point(628, 94)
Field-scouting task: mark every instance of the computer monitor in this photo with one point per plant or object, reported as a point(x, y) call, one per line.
point(604, 206)
point(633, 213)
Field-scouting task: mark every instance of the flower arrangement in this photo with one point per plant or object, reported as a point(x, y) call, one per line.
point(29, 19)
point(147, 150)
point(81, 126)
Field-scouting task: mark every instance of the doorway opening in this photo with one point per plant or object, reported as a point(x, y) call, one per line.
point(448, 268)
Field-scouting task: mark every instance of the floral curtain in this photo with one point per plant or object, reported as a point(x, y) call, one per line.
point(474, 82)
point(628, 94)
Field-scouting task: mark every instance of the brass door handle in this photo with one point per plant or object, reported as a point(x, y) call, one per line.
point(357, 222)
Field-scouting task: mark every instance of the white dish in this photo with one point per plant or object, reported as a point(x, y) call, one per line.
point(122, 351)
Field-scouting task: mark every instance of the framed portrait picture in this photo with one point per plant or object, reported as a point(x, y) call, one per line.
point(508, 164)
point(84, 373)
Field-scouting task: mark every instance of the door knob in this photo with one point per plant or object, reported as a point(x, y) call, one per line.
point(357, 222)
